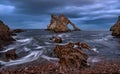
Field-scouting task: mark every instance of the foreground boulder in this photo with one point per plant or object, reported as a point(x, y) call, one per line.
point(71, 56)
point(116, 28)
point(60, 24)
point(5, 36)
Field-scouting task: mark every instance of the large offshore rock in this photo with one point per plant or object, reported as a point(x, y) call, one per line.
point(116, 28)
point(71, 56)
point(60, 24)
point(5, 36)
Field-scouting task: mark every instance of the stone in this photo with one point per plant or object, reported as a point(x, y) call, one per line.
point(56, 39)
point(9, 55)
point(116, 28)
point(5, 36)
point(71, 57)
point(60, 24)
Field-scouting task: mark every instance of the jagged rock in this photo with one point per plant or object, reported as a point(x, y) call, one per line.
point(71, 56)
point(60, 24)
point(116, 28)
point(5, 36)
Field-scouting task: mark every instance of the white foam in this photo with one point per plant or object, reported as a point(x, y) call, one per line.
point(39, 47)
point(49, 58)
point(94, 59)
point(47, 43)
point(26, 49)
point(14, 37)
point(95, 50)
point(7, 49)
point(64, 35)
point(25, 40)
point(75, 46)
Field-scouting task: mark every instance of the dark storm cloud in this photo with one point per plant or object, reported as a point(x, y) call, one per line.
point(36, 13)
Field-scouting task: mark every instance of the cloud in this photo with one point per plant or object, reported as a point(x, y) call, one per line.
point(36, 13)
point(6, 8)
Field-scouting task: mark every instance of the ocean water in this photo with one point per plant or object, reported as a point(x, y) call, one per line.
point(35, 45)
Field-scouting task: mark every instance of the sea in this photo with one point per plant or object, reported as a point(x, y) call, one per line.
point(35, 44)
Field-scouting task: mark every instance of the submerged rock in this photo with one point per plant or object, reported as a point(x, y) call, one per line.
point(5, 36)
point(71, 56)
point(116, 28)
point(60, 24)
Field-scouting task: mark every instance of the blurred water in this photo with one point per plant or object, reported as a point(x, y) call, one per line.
point(35, 44)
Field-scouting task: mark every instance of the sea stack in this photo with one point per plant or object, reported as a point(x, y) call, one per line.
point(60, 24)
point(5, 36)
point(116, 28)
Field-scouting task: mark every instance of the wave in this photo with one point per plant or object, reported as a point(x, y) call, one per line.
point(50, 58)
point(25, 40)
point(106, 38)
point(31, 57)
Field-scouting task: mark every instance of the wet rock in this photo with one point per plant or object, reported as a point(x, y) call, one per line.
point(60, 24)
point(71, 57)
point(56, 39)
point(5, 36)
point(116, 28)
point(10, 54)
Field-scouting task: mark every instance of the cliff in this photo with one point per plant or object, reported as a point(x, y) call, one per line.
point(116, 28)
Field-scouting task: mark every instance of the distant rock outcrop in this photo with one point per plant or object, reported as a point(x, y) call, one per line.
point(60, 24)
point(5, 36)
point(116, 28)
point(13, 32)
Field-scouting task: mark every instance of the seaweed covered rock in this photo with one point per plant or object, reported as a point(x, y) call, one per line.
point(71, 56)
point(5, 36)
point(60, 24)
point(116, 28)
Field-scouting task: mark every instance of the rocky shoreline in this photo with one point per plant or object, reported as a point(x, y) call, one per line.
point(102, 67)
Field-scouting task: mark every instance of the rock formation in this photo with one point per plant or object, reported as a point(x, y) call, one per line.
point(60, 24)
point(5, 36)
point(71, 56)
point(116, 28)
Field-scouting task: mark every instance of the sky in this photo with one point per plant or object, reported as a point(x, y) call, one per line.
point(36, 14)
